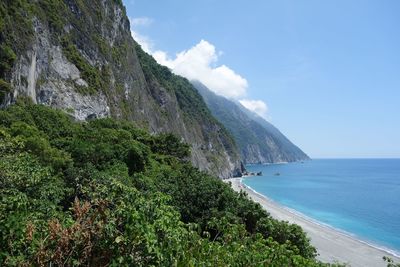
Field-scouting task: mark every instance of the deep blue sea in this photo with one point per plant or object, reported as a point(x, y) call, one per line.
point(358, 196)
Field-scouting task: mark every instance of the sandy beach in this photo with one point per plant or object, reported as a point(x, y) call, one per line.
point(332, 245)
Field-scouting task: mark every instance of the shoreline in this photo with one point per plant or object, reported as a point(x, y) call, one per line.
point(333, 245)
point(392, 253)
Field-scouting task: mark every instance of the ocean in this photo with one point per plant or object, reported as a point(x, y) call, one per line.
point(358, 196)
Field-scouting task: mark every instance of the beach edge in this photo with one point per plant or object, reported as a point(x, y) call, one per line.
point(332, 245)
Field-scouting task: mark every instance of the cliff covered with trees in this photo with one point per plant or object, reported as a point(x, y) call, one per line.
point(106, 193)
point(79, 56)
point(258, 140)
point(105, 156)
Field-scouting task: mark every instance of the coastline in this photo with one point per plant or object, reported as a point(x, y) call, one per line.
point(332, 245)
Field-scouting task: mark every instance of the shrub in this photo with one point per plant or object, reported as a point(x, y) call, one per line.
point(105, 193)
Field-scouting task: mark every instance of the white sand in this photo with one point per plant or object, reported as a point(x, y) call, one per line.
point(332, 245)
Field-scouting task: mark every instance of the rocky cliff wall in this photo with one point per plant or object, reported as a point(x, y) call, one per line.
point(79, 56)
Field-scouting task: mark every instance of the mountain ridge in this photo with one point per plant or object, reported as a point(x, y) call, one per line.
point(79, 56)
point(258, 140)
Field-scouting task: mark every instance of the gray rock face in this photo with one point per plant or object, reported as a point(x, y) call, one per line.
point(47, 77)
point(258, 140)
point(101, 34)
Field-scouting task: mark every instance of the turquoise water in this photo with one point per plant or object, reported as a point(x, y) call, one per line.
point(358, 196)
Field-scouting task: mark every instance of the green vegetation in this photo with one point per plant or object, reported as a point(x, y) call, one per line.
point(11, 20)
point(257, 140)
point(52, 11)
point(16, 26)
point(89, 73)
point(189, 99)
point(104, 193)
point(16, 31)
point(5, 88)
point(7, 58)
point(15, 22)
point(17, 18)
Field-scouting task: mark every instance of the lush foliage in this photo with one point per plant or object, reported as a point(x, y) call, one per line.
point(16, 31)
point(189, 99)
point(17, 20)
point(106, 193)
point(257, 139)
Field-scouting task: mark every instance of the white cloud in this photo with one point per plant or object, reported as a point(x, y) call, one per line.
point(144, 41)
point(141, 21)
point(199, 63)
point(256, 106)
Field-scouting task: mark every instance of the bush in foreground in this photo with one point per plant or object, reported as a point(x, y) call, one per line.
point(105, 193)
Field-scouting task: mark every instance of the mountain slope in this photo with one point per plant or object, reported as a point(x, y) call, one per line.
point(105, 193)
point(79, 56)
point(258, 140)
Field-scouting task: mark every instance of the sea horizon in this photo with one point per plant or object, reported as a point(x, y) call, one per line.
point(377, 235)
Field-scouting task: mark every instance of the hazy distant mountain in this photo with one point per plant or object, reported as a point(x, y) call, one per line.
point(258, 140)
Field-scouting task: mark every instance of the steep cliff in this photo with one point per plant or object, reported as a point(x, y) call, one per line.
point(258, 140)
point(79, 56)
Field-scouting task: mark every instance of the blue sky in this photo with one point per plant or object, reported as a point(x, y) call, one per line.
point(326, 73)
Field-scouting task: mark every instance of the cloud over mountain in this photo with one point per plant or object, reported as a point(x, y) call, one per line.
point(200, 62)
point(256, 106)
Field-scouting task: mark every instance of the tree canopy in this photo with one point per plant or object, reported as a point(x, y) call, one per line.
point(105, 193)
